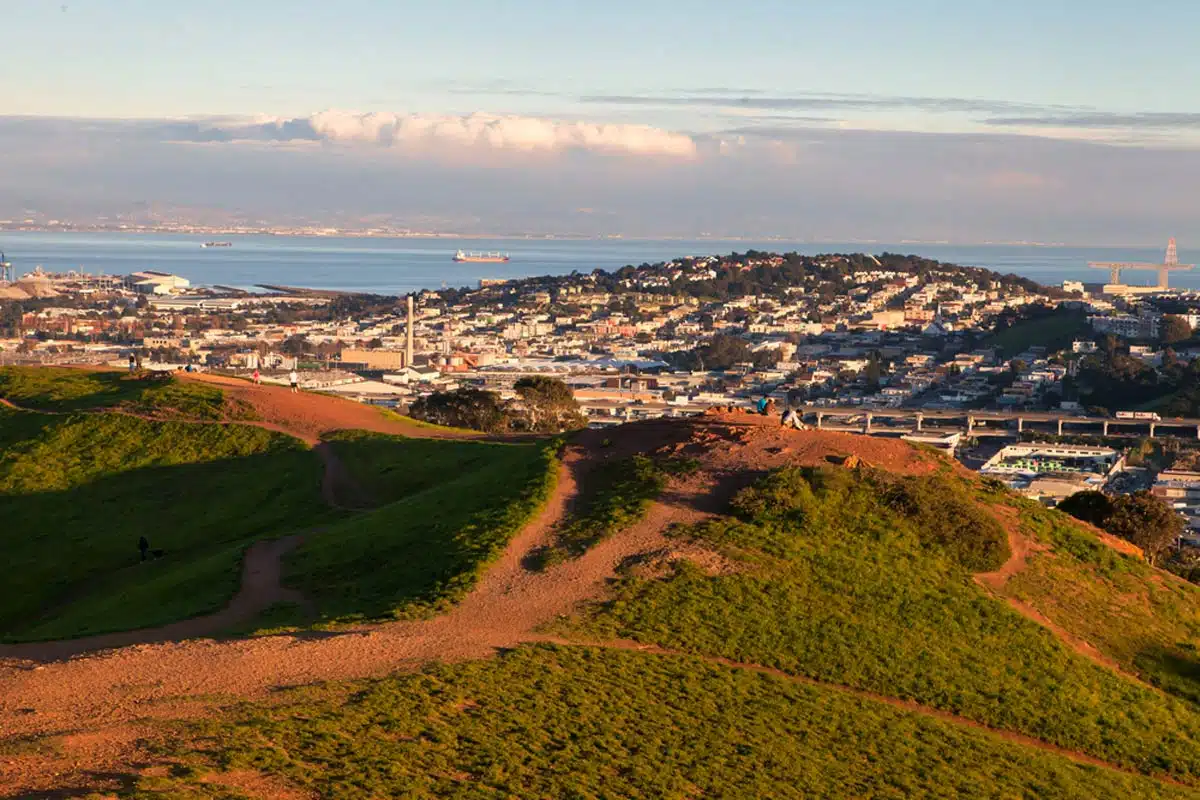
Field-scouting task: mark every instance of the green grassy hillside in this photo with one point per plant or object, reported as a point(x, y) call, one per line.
point(63, 389)
point(77, 492)
point(840, 582)
point(1146, 620)
point(875, 661)
point(448, 510)
point(584, 723)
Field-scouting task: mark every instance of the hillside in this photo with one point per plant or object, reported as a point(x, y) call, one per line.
point(713, 606)
point(216, 474)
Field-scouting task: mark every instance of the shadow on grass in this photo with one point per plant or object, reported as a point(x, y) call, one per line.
point(1175, 671)
point(73, 567)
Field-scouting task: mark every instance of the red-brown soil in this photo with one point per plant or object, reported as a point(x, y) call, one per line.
point(307, 415)
point(112, 697)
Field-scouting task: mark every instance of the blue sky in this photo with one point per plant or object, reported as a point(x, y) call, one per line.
point(148, 58)
point(1031, 112)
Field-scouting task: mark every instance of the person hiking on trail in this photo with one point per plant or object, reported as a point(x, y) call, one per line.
point(144, 546)
point(295, 381)
point(763, 403)
point(132, 363)
point(257, 377)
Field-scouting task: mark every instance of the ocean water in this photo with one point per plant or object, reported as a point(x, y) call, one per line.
point(400, 265)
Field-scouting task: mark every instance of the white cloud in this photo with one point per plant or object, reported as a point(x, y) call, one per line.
point(491, 131)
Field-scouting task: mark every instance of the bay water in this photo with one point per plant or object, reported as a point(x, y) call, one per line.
point(401, 265)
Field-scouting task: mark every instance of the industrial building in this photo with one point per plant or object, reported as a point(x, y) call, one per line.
point(153, 282)
point(1053, 472)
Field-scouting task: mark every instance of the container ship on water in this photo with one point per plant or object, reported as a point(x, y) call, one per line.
point(480, 258)
point(217, 244)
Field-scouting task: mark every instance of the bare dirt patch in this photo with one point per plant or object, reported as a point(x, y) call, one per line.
point(256, 785)
point(307, 415)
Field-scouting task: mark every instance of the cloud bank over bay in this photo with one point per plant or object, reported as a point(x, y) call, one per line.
point(773, 169)
point(477, 130)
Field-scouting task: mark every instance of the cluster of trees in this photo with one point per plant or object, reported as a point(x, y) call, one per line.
point(542, 405)
point(722, 352)
point(734, 280)
point(1141, 518)
point(10, 318)
point(1113, 379)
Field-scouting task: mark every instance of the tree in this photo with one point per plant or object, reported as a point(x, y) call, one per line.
point(295, 345)
point(1175, 329)
point(1147, 521)
point(464, 408)
point(1093, 507)
point(723, 351)
point(873, 372)
point(11, 315)
point(550, 405)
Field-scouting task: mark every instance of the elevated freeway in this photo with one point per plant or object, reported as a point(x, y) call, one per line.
point(994, 423)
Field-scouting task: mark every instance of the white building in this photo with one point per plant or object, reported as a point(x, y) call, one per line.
point(152, 282)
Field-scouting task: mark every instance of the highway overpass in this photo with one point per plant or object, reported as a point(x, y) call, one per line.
point(993, 423)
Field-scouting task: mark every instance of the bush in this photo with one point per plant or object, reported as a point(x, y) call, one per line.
point(945, 516)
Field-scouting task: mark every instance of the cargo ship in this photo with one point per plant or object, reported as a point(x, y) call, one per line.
point(217, 244)
point(480, 258)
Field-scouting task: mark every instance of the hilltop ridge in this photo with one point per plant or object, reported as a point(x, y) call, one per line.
point(840, 571)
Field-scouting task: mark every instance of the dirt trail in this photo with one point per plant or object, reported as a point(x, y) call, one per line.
point(110, 694)
point(261, 580)
point(1022, 546)
point(118, 687)
point(260, 589)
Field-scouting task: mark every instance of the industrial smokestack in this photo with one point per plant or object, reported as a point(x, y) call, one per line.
point(408, 345)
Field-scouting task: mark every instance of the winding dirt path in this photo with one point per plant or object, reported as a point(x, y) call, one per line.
point(260, 585)
point(260, 588)
point(101, 703)
point(1022, 547)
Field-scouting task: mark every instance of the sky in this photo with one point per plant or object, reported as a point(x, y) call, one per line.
point(976, 120)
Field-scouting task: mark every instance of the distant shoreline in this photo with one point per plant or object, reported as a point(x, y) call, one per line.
point(551, 237)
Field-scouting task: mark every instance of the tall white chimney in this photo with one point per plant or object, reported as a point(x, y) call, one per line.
point(408, 345)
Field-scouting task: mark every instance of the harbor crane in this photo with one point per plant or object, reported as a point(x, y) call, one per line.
point(1169, 264)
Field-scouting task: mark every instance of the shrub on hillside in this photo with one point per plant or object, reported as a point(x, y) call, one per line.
point(781, 491)
point(945, 516)
point(941, 513)
point(1093, 507)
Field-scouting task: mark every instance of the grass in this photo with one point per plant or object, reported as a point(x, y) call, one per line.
point(583, 723)
point(394, 467)
point(1054, 332)
point(454, 507)
point(618, 494)
point(62, 389)
point(429, 426)
point(77, 491)
point(841, 586)
point(1144, 619)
